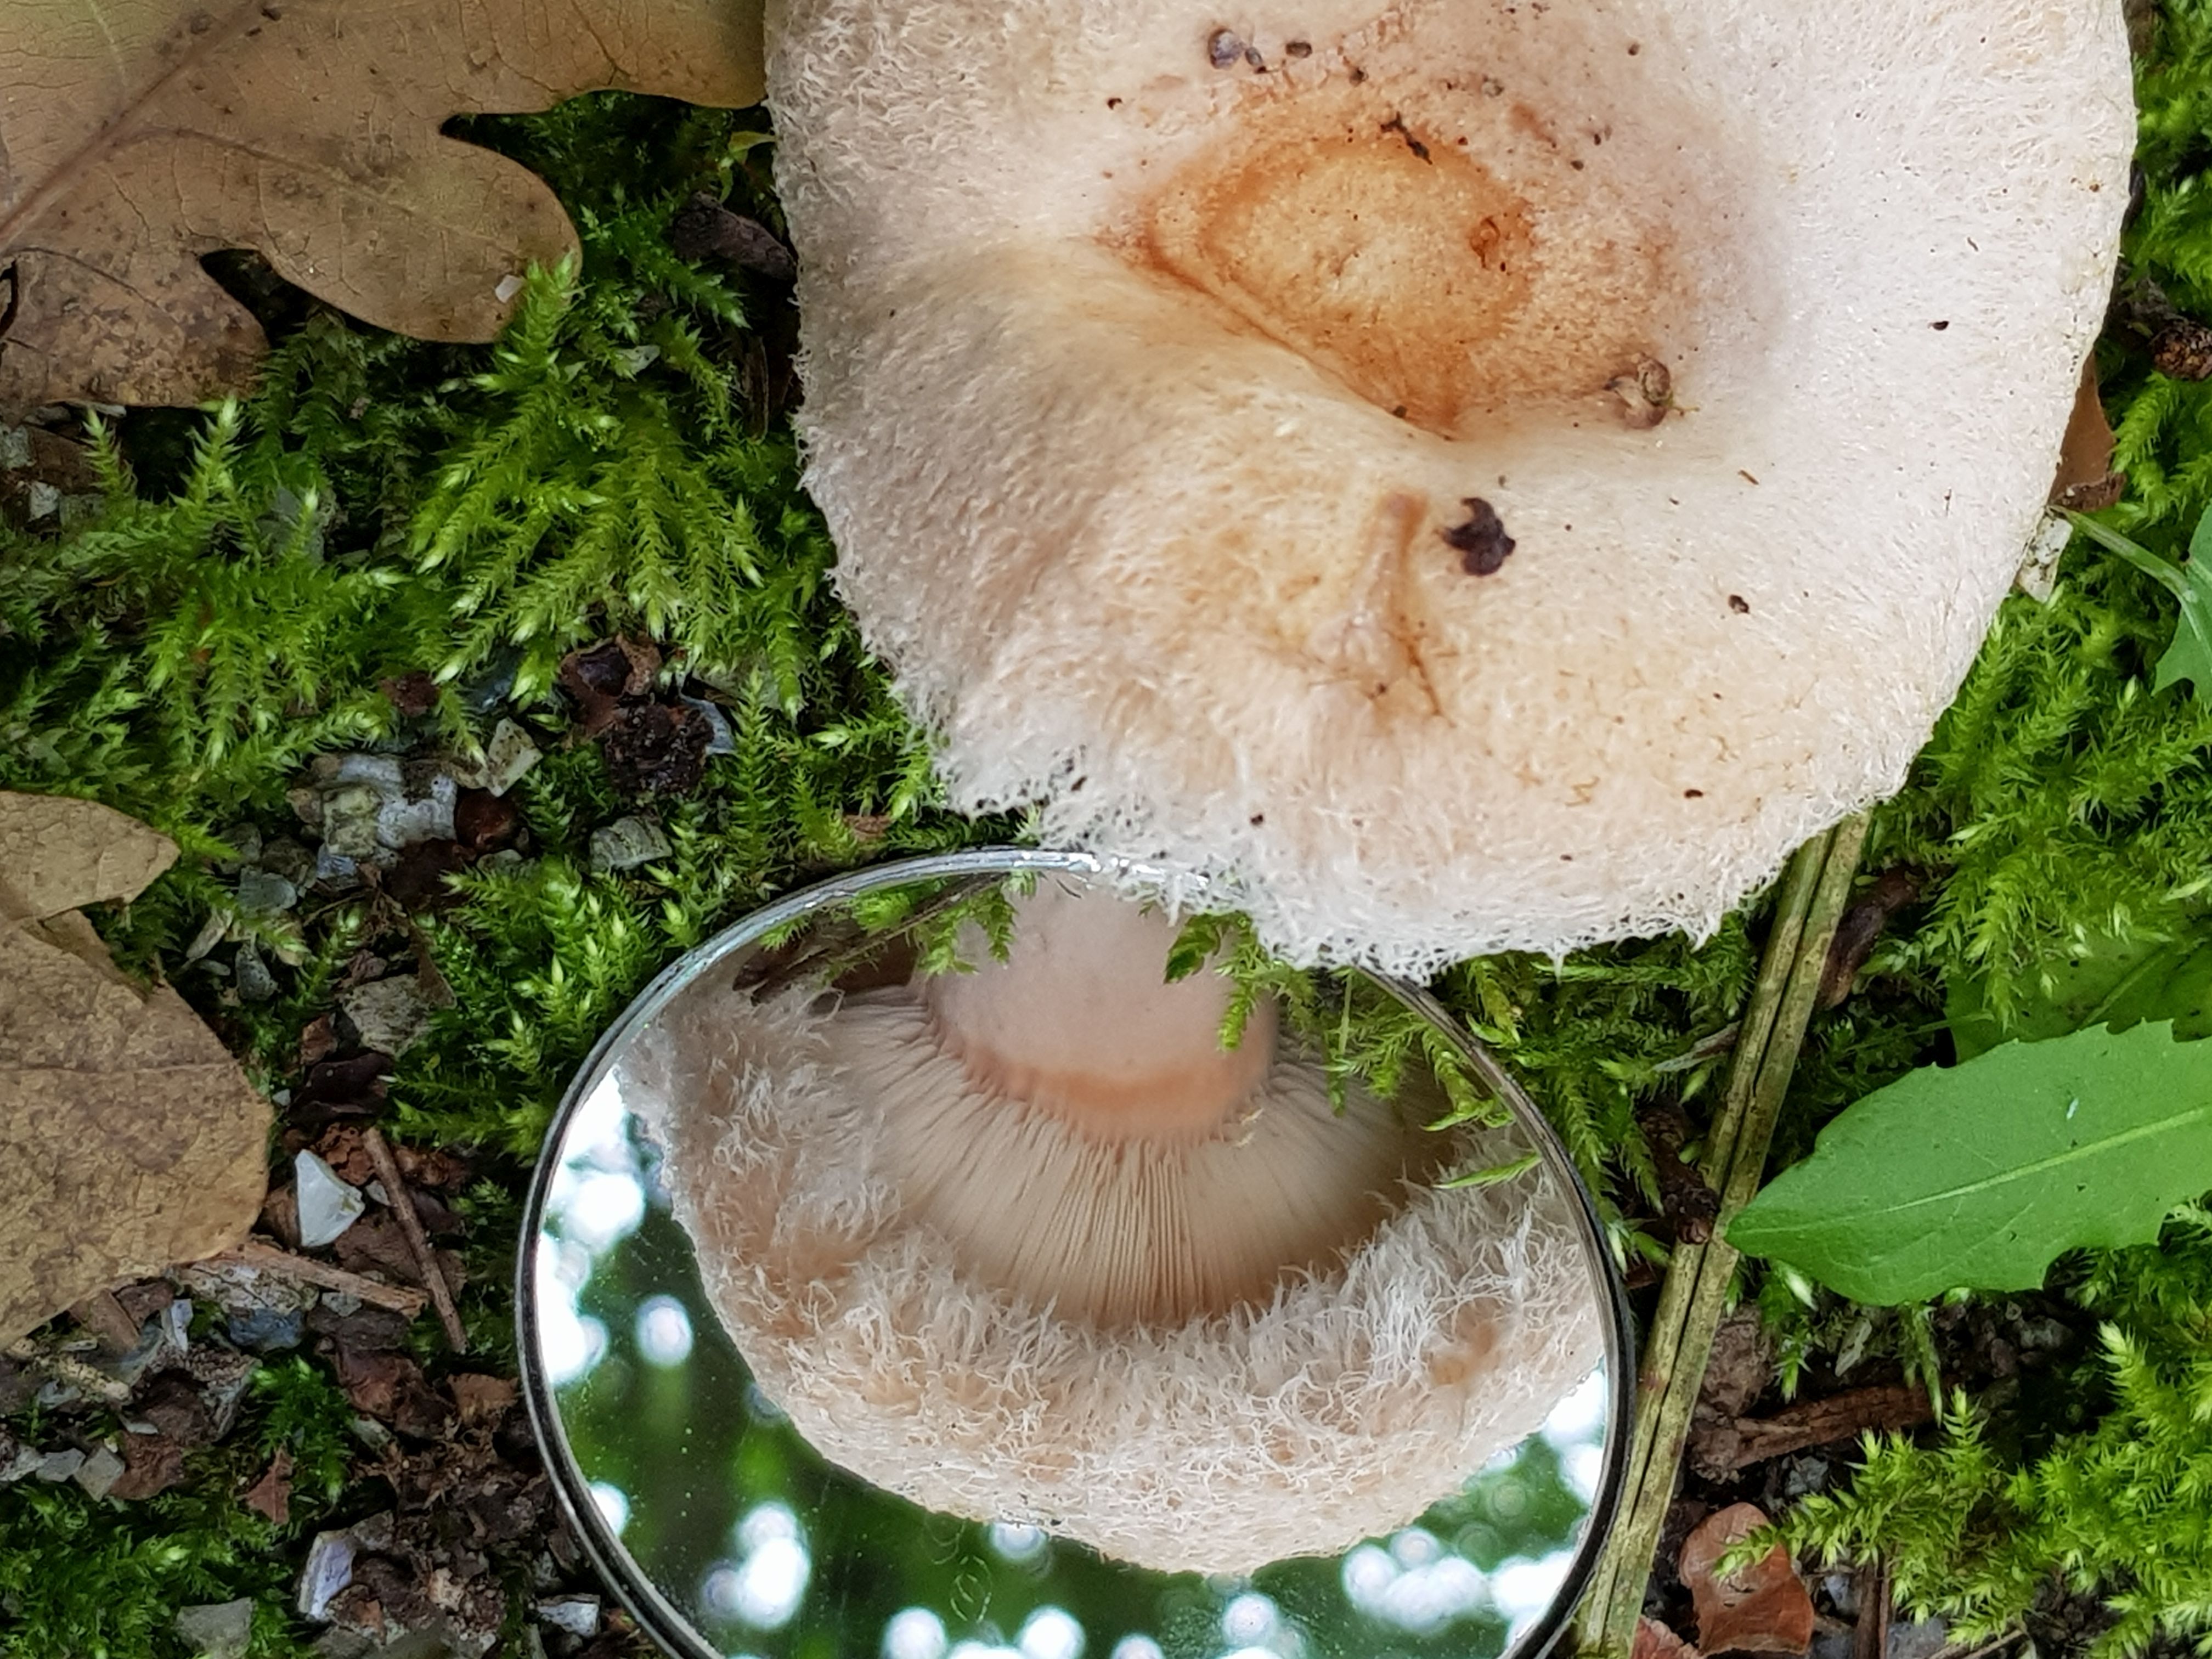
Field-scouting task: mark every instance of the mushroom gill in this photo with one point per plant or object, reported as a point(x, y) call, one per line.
point(1028, 1244)
point(1069, 1121)
point(1456, 475)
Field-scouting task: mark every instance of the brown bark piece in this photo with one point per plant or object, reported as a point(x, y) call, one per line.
point(1720, 1449)
point(152, 1463)
point(141, 134)
point(129, 1138)
point(481, 1399)
point(1764, 1609)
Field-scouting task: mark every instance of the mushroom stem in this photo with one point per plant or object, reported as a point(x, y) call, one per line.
point(1080, 1022)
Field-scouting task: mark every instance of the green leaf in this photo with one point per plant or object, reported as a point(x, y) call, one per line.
point(1980, 1175)
point(2190, 656)
point(2118, 982)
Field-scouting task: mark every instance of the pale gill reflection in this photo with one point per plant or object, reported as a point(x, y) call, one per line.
point(1417, 1584)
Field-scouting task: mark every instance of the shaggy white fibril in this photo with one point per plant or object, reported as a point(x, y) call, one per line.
point(1107, 332)
point(1336, 1406)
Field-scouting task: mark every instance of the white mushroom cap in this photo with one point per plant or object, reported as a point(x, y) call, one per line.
point(1201, 1329)
point(1103, 345)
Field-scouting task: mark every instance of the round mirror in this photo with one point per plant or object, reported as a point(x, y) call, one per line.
point(955, 1260)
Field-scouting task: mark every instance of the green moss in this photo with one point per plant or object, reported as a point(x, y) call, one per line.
point(616, 463)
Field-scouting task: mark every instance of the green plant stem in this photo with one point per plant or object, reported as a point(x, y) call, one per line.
point(1815, 891)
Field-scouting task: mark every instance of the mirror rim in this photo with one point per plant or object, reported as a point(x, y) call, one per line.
point(664, 1623)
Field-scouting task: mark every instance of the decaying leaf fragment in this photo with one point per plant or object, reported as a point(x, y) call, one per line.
point(1761, 1608)
point(137, 135)
point(129, 1138)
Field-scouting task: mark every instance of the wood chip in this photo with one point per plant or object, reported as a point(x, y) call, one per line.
point(399, 1298)
point(104, 1317)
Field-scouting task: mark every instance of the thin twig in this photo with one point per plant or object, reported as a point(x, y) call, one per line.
point(267, 1258)
point(411, 1226)
point(2004, 1638)
point(1813, 893)
point(1870, 1640)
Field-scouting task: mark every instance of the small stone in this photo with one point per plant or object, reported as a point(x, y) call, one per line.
point(718, 740)
point(336, 1644)
point(507, 754)
point(266, 1330)
point(244, 840)
point(420, 809)
point(328, 1569)
point(255, 982)
point(14, 448)
point(26, 1462)
point(1917, 1638)
point(44, 500)
point(392, 1015)
point(286, 858)
point(59, 1466)
point(349, 820)
point(99, 1473)
point(217, 1629)
point(327, 1205)
point(210, 934)
point(335, 869)
point(579, 1615)
point(627, 843)
point(263, 893)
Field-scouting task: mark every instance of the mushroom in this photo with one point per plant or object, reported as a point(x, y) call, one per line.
point(1028, 1243)
point(1455, 474)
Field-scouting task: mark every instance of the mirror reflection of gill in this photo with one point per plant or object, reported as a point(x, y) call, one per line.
point(732, 1536)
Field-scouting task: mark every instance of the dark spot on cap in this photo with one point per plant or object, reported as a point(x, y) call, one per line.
point(1113, 103)
point(1634, 46)
point(1224, 50)
point(1739, 604)
point(1398, 412)
point(1397, 124)
point(1258, 818)
point(1940, 327)
point(1359, 75)
point(1694, 794)
point(1481, 542)
point(1298, 48)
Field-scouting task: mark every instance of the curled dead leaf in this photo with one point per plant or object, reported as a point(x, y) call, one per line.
point(138, 137)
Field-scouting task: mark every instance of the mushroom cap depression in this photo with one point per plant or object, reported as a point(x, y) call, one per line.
point(1027, 1245)
point(1457, 475)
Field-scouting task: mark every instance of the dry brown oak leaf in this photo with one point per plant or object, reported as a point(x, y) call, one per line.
point(137, 135)
point(129, 1138)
